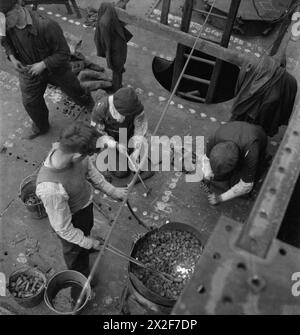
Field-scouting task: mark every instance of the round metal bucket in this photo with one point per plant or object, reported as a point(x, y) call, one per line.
point(35, 299)
point(144, 295)
point(64, 279)
point(28, 188)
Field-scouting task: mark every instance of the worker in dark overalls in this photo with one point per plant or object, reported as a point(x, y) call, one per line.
point(235, 153)
point(114, 114)
point(40, 54)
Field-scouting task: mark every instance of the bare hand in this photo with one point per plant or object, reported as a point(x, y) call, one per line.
point(121, 193)
point(97, 245)
point(37, 68)
point(135, 160)
point(17, 64)
point(214, 199)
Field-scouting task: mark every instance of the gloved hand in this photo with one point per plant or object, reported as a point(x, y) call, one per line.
point(120, 193)
point(214, 199)
point(135, 160)
point(97, 244)
point(106, 140)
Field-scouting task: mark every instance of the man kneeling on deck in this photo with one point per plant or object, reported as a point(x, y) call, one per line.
point(115, 113)
point(67, 195)
point(234, 153)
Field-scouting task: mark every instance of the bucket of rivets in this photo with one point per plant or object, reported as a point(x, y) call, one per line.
point(64, 290)
point(32, 203)
point(175, 249)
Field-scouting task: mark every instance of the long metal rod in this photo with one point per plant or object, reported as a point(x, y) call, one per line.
point(130, 187)
point(119, 253)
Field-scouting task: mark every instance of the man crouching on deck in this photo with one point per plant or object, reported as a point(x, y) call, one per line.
point(67, 195)
point(235, 153)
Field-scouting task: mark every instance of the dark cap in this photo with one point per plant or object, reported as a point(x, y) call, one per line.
point(7, 5)
point(224, 158)
point(127, 102)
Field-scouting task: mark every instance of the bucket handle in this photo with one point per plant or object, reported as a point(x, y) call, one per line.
point(23, 182)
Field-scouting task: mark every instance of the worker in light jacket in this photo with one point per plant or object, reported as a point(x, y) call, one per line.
point(234, 153)
point(111, 115)
point(40, 54)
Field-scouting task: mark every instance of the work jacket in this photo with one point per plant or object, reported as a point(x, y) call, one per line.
point(48, 44)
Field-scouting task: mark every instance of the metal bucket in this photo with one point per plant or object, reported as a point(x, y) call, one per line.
point(28, 188)
point(144, 295)
point(35, 299)
point(61, 280)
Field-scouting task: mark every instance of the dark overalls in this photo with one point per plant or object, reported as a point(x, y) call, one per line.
point(43, 40)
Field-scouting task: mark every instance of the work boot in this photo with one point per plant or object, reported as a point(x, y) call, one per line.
point(34, 132)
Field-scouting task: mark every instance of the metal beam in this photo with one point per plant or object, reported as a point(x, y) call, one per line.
point(185, 26)
point(180, 37)
point(233, 10)
point(269, 209)
point(165, 11)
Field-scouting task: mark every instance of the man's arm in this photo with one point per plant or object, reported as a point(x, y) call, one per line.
point(60, 50)
point(55, 201)
point(247, 176)
point(99, 182)
point(140, 130)
point(8, 47)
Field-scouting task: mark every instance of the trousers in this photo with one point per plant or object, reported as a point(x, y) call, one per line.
point(34, 87)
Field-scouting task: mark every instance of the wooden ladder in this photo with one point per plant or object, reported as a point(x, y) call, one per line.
point(181, 53)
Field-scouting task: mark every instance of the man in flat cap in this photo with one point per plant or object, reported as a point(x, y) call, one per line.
point(234, 153)
point(40, 54)
point(118, 112)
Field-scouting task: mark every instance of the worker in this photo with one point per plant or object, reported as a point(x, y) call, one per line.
point(111, 38)
point(40, 54)
point(111, 114)
point(63, 187)
point(234, 154)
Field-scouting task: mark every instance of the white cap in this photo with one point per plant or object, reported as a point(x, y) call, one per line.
point(2, 25)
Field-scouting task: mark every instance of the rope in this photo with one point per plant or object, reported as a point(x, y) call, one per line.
point(132, 183)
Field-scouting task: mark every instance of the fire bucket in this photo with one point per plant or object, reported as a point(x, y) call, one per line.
point(33, 299)
point(27, 194)
point(62, 280)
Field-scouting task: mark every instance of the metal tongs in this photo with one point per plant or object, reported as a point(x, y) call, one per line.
point(164, 275)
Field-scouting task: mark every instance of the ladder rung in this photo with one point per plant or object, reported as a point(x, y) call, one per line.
point(203, 60)
point(192, 92)
point(212, 14)
point(191, 96)
point(199, 80)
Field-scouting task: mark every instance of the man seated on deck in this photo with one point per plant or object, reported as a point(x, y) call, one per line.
point(63, 187)
point(234, 153)
point(122, 111)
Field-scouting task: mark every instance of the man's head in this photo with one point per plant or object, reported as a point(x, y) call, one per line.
point(127, 102)
point(78, 138)
point(13, 11)
point(224, 158)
